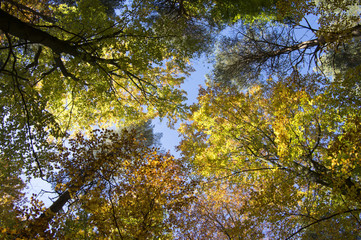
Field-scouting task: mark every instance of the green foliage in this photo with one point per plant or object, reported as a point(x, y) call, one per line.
point(234, 10)
point(216, 12)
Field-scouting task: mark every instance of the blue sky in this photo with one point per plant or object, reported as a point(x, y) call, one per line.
point(191, 84)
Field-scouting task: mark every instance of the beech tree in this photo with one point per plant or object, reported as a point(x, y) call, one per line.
point(112, 185)
point(292, 141)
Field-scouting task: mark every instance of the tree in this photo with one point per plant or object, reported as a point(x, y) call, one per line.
point(114, 186)
point(261, 49)
point(292, 141)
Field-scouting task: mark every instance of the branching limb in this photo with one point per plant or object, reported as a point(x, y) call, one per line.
point(36, 59)
point(59, 63)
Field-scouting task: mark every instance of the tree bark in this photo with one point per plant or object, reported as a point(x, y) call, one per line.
point(60, 202)
point(17, 28)
point(25, 31)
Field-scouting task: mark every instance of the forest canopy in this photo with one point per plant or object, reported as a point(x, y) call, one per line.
point(269, 150)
